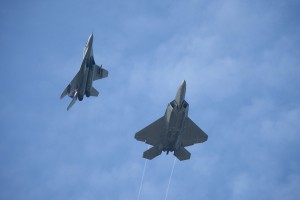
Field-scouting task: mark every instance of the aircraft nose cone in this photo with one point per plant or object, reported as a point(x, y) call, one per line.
point(91, 39)
point(181, 93)
point(182, 88)
point(183, 85)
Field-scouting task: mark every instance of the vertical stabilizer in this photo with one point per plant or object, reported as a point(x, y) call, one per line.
point(72, 102)
point(65, 92)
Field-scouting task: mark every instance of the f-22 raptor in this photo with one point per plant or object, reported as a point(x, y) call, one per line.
point(82, 83)
point(173, 131)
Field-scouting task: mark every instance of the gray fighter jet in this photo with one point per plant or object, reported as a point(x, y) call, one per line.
point(173, 131)
point(82, 83)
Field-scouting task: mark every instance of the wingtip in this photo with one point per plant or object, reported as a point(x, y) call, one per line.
point(136, 137)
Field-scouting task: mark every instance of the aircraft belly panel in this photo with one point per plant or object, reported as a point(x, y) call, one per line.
point(89, 82)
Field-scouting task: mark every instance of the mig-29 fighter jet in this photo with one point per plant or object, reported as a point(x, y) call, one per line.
point(82, 83)
point(173, 131)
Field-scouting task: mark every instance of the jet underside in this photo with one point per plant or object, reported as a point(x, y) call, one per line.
point(82, 83)
point(172, 132)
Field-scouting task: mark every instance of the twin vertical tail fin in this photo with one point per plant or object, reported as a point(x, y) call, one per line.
point(182, 154)
point(151, 153)
point(65, 92)
point(72, 102)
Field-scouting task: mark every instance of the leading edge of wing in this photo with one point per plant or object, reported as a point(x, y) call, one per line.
point(152, 134)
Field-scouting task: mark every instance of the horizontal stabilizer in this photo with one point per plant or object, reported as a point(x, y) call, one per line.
point(182, 154)
point(94, 92)
point(151, 153)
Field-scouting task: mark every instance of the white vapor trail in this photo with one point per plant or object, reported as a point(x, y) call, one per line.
point(170, 179)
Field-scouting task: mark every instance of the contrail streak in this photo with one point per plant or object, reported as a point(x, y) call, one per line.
point(142, 180)
point(170, 179)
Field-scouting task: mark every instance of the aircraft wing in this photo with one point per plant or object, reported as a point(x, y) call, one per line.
point(152, 134)
point(72, 86)
point(193, 134)
point(99, 72)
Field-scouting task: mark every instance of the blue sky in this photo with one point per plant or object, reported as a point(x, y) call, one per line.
point(241, 63)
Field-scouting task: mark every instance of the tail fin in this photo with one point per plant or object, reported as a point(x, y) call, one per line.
point(72, 102)
point(94, 92)
point(151, 153)
point(182, 154)
point(65, 92)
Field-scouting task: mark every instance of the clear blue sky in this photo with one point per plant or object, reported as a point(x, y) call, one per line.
point(241, 61)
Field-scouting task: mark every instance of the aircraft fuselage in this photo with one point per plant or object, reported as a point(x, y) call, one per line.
point(87, 73)
point(175, 117)
point(175, 124)
point(82, 83)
